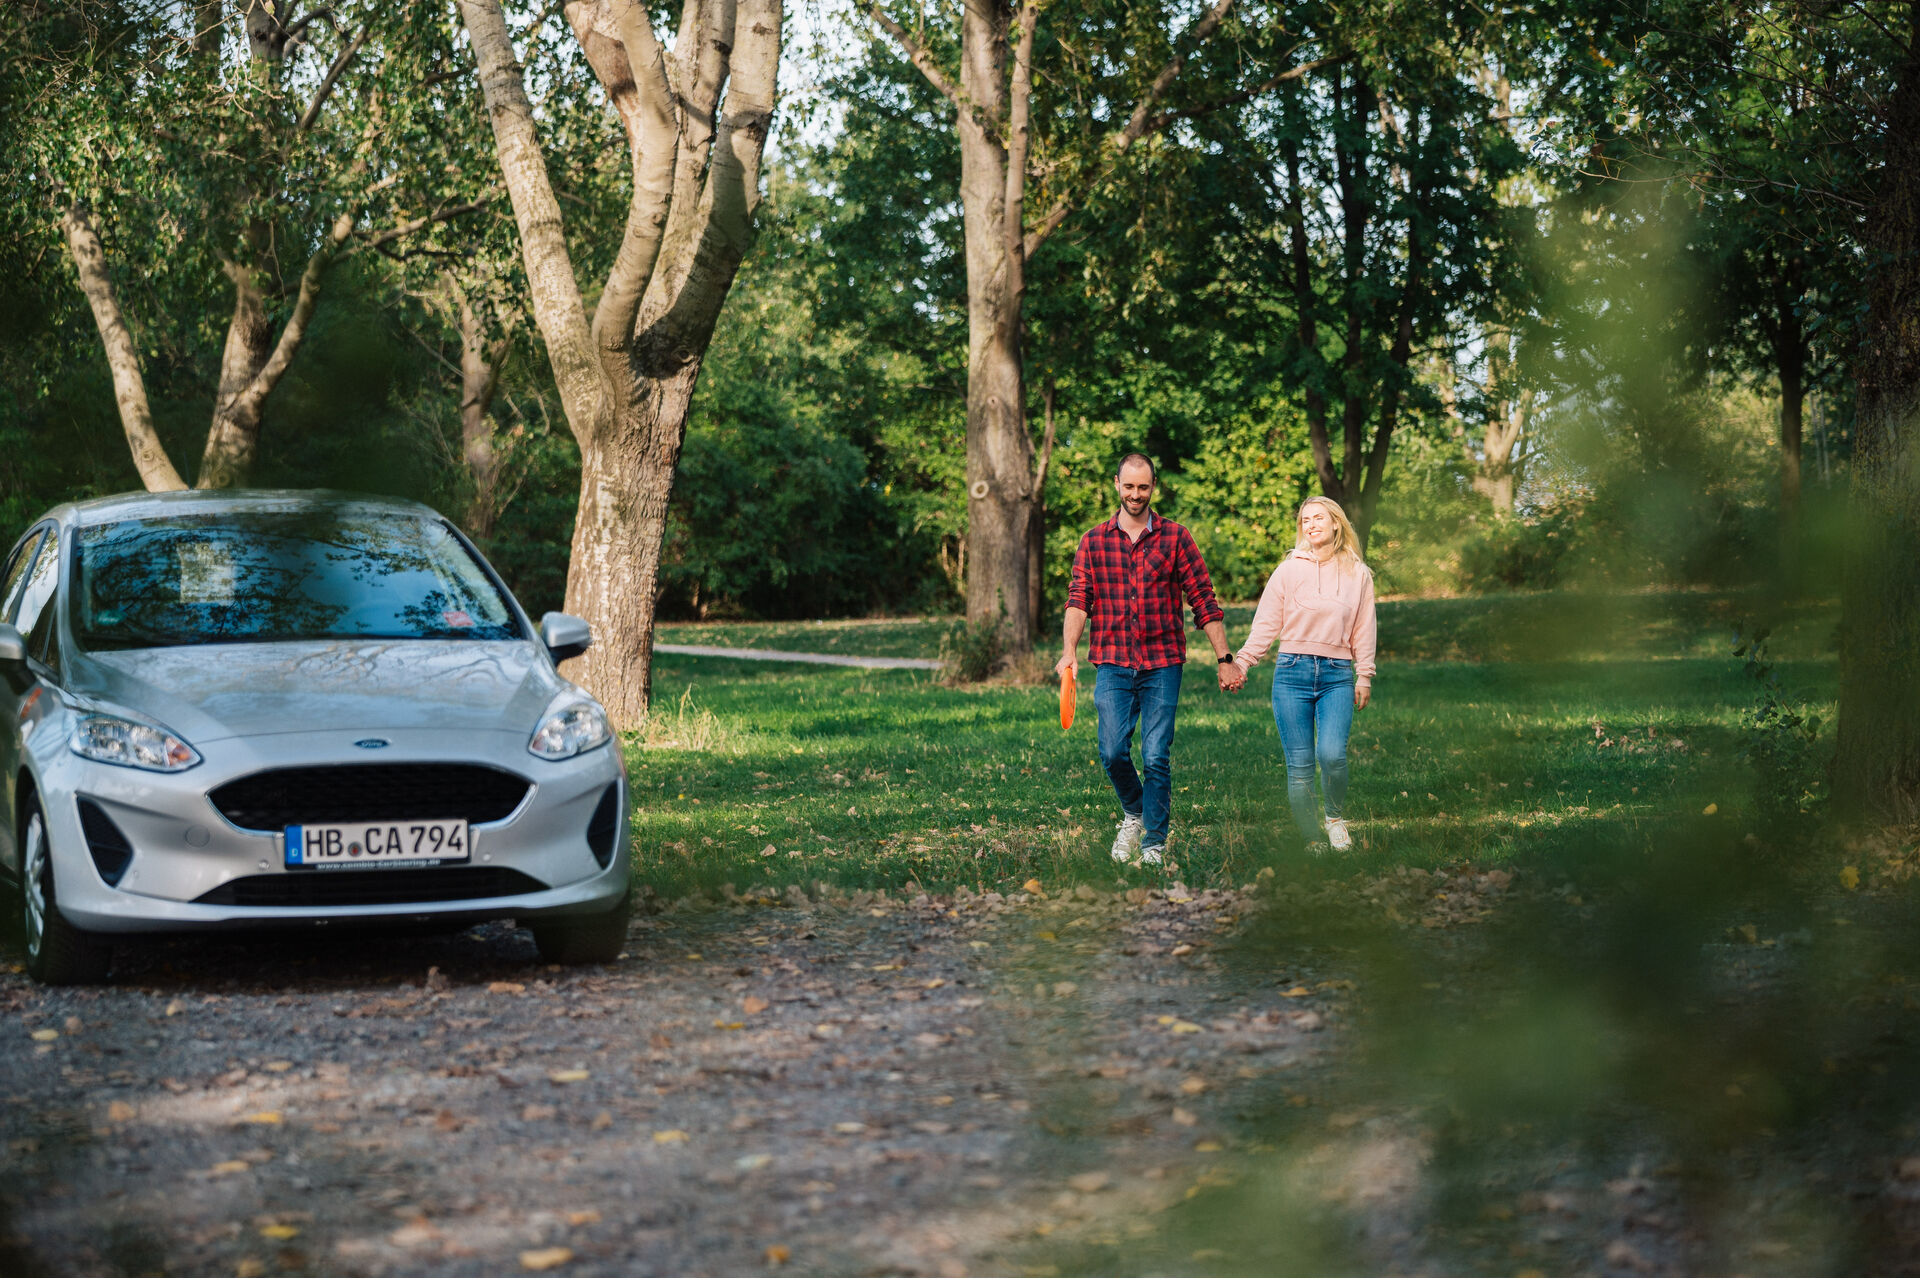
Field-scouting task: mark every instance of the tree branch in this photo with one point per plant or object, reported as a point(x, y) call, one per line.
point(380, 239)
point(247, 403)
point(325, 91)
point(1296, 72)
point(550, 280)
point(1136, 127)
point(123, 358)
point(654, 141)
point(918, 55)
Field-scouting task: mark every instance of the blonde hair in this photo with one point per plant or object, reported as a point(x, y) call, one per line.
point(1346, 543)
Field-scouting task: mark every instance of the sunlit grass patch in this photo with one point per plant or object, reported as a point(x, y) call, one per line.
point(762, 774)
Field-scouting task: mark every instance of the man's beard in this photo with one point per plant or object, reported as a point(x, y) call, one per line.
point(1135, 506)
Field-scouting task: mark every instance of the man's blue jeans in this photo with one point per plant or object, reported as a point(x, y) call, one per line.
point(1123, 696)
point(1313, 708)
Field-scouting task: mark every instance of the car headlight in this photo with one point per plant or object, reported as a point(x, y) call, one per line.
point(106, 738)
point(573, 729)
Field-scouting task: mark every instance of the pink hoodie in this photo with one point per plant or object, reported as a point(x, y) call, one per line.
point(1322, 610)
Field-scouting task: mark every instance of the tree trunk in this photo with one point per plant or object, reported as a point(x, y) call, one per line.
point(1876, 768)
point(626, 378)
point(626, 483)
point(479, 377)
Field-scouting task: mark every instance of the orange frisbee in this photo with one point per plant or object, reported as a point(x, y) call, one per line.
point(1066, 698)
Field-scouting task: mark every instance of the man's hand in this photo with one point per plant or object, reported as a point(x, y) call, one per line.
point(1232, 677)
point(1067, 665)
point(1361, 695)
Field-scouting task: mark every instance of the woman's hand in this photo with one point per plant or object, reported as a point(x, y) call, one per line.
point(1361, 695)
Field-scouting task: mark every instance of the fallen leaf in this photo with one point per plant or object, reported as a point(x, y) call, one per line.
point(1849, 879)
point(1710, 809)
point(849, 1129)
point(506, 987)
point(264, 1118)
point(934, 984)
point(1298, 991)
point(249, 1267)
point(778, 1255)
point(45, 1035)
point(537, 1113)
point(119, 1112)
point(587, 1217)
point(729, 1025)
point(277, 1067)
point(753, 1005)
point(1185, 1117)
point(1089, 1182)
point(1183, 1027)
point(1206, 1147)
point(545, 1258)
point(568, 1076)
point(1031, 885)
point(232, 1167)
point(670, 1137)
point(176, 1007)
point(1181, 950)
point(280, 1232)
point(602, 1120)
point(1193, 1085)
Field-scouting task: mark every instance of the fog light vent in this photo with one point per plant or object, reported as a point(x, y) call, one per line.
point(604, 826)
point(112, 854)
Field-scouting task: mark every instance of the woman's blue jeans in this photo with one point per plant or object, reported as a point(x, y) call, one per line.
point(1123, 696)
point(1313, 709)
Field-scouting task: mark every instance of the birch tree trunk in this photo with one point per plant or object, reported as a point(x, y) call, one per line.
point(626, 378)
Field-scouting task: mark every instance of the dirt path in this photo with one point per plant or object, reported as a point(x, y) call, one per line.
point(844, 1086)
point(804, 658)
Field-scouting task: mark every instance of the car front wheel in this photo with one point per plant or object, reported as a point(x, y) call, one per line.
point(58, 953)
point(584, 938)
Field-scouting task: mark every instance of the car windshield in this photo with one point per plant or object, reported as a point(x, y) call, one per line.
point(267, 575)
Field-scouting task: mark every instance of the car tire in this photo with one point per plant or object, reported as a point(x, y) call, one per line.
point(575, 939)
point(58, 953)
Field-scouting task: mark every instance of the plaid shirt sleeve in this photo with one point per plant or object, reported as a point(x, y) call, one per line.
point(1077, 583)
point(1190, 571)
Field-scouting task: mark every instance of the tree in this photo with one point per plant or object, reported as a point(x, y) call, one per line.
point(1365, 222)
point(1022, 108)
point(696, 119)
point(197, 146)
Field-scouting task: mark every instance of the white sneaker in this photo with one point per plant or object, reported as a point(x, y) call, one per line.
point(1337, 836)
point(1153, 855)
point(1126, 841)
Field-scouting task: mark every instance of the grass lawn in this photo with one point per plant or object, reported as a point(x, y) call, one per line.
point(1503, 728)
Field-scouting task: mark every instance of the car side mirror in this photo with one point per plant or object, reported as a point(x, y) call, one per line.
point(565, 636)
point(13, 648)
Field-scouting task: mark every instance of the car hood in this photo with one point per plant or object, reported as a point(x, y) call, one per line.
point(214, 691)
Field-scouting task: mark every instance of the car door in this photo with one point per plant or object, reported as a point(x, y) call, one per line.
point(31, 575)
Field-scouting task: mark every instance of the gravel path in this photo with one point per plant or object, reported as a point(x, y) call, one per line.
point(830, 1085)
point(805, 658)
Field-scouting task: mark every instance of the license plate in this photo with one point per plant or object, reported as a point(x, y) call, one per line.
point(376, 843)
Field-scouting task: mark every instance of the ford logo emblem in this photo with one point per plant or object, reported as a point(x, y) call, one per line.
point(372, 743)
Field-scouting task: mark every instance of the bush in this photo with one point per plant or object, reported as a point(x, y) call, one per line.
point(973, 650)
point(1514, 554)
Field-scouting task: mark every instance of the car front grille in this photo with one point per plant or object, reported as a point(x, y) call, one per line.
point(370, 792)
point(319, 888)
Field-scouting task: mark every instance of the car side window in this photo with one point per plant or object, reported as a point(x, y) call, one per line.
point(41, 579)
point(17, 572)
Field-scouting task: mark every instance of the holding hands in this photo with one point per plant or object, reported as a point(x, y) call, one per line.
point(1232, 677)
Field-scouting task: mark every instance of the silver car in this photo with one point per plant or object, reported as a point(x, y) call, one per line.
point(224, 710)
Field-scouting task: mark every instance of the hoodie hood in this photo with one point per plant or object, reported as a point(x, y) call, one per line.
point(215, 691)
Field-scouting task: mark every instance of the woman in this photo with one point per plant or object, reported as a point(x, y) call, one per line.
point(1319, 606)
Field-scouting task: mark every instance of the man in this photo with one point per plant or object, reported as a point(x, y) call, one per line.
point(1129, 576)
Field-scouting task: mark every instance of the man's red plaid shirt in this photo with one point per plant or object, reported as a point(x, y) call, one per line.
point(1131, 592)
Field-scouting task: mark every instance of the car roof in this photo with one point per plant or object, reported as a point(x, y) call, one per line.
point(201, 501)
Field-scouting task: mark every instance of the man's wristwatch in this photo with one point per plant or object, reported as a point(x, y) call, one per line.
point(1224, 660)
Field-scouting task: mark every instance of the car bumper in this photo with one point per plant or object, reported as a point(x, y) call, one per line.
point(185, 849)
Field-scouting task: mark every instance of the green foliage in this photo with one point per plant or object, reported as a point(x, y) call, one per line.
point(972, 650)
point(1781, 739)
